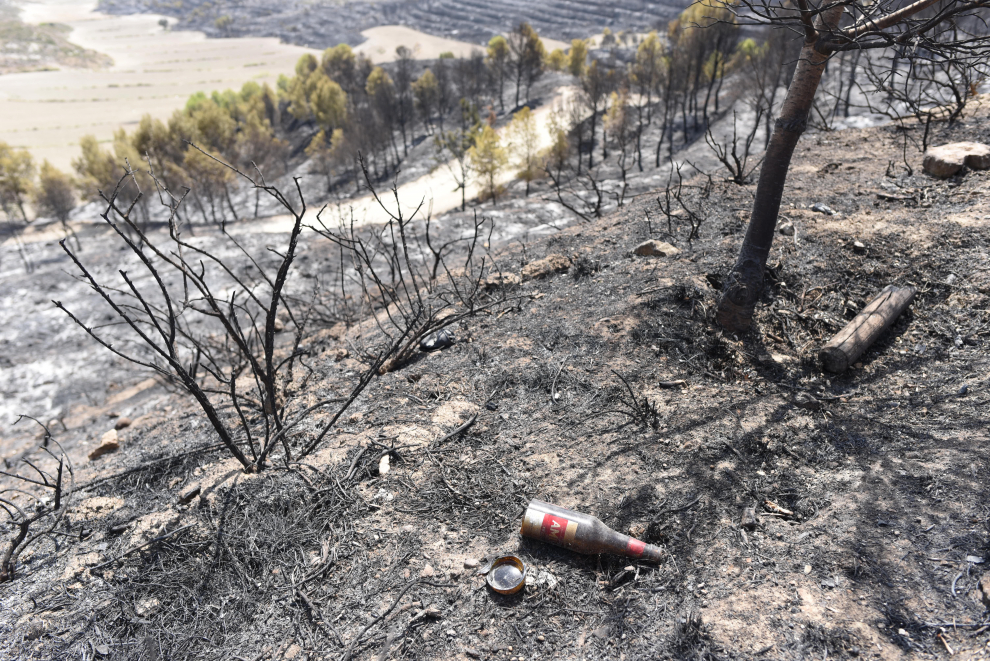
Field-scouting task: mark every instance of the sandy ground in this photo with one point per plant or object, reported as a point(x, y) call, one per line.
point(154, 72)
point(384, 39)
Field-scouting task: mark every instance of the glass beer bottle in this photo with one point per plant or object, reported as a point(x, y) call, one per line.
point(581, 532)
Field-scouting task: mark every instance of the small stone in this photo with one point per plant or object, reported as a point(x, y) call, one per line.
point(654, 248)
point(859, 247)
point(975, 559)
point(102, 650)
point(451, 633)
point(496, 280)
point(787, 229)
point(189, 494)
point(547, 266)
point(279, 326)
point(427, 571)
point(749, 519)
point(383, 465)
point(818, 207)
point(947, 160)
point(805, 401)
point(541, 639)
point(807, 569)
point(473, 653)
point(122, 423)
point(471, 563)
point(109, 442)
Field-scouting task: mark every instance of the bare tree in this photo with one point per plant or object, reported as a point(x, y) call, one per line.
point(831, 28)
point(209, 326)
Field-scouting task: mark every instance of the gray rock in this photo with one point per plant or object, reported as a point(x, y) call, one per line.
point(947, 160)
point(787, 229)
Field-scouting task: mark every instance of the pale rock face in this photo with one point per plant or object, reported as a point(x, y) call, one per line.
point(654, 248)
point(947, 160)
point(109, 442)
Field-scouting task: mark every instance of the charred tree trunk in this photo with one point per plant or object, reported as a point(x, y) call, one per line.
point(745, 281)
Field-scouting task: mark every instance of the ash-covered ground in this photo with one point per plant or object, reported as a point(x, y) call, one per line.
point(872, 497)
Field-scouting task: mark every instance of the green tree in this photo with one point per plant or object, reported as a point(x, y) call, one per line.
point(615, 125)
point(527, 54)
point(452, 147)
point(340, 64)
point(16, 175)
point(498, 62)
point(576, 57)
point(96, 169)
point(523, 138)
point(381, 92)
point(212, 178)
point(54, 196)
point(556, 60)
point(321, 150)
point(646, 74)
point(488, 159)
point(425, 91)
point(596, 84)
point(555, 156)
point(328, 102)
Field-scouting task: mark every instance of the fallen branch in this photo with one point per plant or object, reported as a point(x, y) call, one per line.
point(141, 546)
point(850, 343)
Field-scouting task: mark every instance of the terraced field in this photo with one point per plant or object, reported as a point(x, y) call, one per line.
point(326, 23)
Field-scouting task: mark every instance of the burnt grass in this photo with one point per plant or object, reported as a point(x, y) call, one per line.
point(868, 506)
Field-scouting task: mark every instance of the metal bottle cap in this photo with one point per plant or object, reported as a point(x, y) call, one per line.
point(506, 575)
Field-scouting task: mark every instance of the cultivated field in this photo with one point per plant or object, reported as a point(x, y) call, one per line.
point(154, 71)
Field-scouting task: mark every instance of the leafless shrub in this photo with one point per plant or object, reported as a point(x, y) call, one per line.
point(580, 193)
point(731, 154)
point(675, 207)
point(44, 495)
point(411, 282)
point(641, 410)
point(208, 325)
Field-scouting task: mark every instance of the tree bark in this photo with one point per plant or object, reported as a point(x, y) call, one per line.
point(745, 281)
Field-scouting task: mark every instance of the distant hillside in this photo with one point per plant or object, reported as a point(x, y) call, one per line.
point(324, 23)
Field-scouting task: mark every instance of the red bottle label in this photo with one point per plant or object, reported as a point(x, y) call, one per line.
point(557, 529)
point(635, 547)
